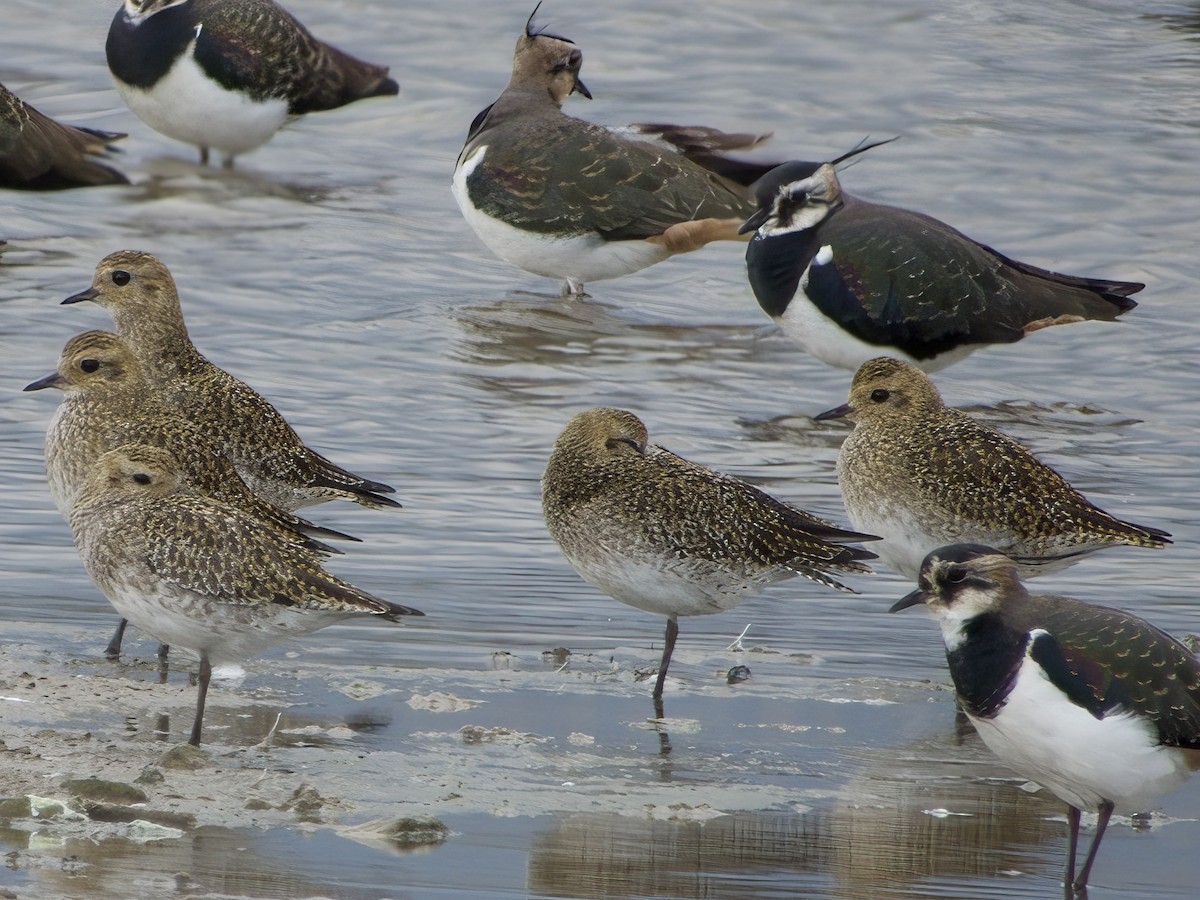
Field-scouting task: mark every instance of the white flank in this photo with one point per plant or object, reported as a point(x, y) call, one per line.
point(1079, 758)
point(583, 258)
point(825, 339)
point(665, 587)
point(228, 632)
point(189, 106)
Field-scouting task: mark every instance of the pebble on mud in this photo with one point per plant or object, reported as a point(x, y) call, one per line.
point(101, 791)
point(185, 757)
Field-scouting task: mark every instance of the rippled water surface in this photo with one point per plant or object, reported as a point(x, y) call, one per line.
point(332, 271)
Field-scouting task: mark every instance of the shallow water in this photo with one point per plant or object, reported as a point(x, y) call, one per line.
point(333, 271)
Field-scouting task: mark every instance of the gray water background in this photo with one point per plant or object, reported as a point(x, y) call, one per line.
point(333, 272)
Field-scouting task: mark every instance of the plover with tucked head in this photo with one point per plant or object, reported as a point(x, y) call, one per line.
point(849, 280)
point(108, 402)
point(227, 74)
point(1092, 703)
point(922, 475)
point(40, 154)
point(670, 537)
point(561, 197)
point(198, 573)
point(140, 295)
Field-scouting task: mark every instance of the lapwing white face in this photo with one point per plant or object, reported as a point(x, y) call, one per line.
point(960, 583)
point(803, 204)
point(139, 10)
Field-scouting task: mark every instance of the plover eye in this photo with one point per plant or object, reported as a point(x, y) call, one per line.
point(89, 364)
point(615, 443)
point(956, 575)
point(879, 395)
point(120, 278)
point(142, 478)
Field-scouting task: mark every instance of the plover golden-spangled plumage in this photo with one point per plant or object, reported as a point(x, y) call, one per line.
point(922, 475)
point(670, 537)
point(107, 403)
point(198, 573)
point(1092, 703)
point(140, 295)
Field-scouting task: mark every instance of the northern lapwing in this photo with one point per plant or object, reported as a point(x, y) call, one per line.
point(228, 74)
point(849, 280)
point(562, 197)
point(1092, 703)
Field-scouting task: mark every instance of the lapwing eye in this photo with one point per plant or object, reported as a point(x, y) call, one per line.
point(573, 60)
point(790, 203)
point(142, 478)
point(879, 395)
point(120, 278)
point(89, 364)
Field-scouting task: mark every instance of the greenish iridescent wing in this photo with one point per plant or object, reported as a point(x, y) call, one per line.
point(1107, 661)
point(568, 176)
point(895, 272)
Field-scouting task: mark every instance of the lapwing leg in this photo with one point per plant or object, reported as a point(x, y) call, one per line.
point(205, 676)
point(204, 156)
point(1106, 811)
point(668, 649)
point(1072, 843)
point(113, 650)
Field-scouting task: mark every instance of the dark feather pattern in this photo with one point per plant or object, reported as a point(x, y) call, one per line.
point(38, 153)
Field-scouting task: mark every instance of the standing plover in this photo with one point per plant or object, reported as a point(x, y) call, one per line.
point(670, 537)
point(198, 573)
point(921, 475)
point(139, 294)
point(108, 403)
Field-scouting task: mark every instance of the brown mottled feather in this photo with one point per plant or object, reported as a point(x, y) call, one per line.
point(266, 450)
point(39, 153)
